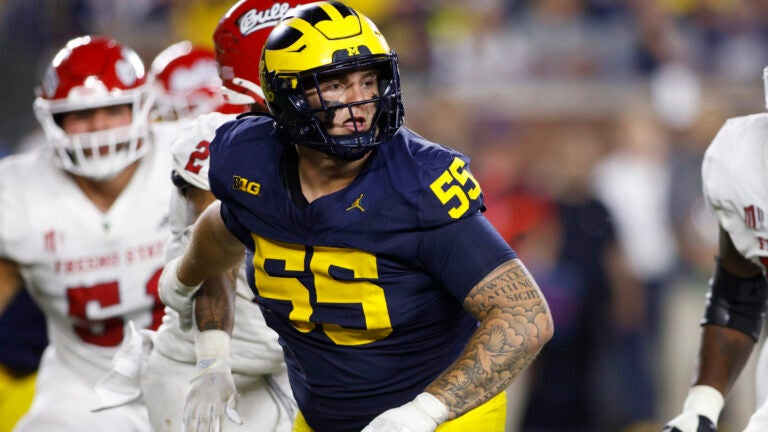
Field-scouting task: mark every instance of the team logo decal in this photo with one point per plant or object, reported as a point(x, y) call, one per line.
point(197, 75)
point(245, 185)
point(51, 240)
point(753, 216)
point(255, 20)
point(124, 69)
point(356, 204)
point(50, 82)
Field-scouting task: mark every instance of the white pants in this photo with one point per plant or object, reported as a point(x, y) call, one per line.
point(265, 402)
point(759, 420)
point(63, 401)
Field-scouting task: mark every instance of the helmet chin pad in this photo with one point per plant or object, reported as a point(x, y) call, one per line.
point(347, 147)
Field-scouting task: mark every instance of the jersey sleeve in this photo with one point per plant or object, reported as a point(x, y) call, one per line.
point(719, 180)
point(190, 149)
point(234, 226)
point(461, 253)
point(223, 155)
point(13, 217)
point(449, 190)
point(180, 228)
point(434, 183)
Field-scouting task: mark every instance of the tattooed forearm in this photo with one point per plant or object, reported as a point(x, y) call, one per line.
point(214, 304)
point(515, 323)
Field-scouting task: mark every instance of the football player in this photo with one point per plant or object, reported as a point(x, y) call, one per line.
point(736, 302)
point(399, 307)
point(187, 84)
point(220, 368)
point(83, 226)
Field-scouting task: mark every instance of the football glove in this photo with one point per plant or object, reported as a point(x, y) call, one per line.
point(212, 391)
point(423, 414)
point(176, 295)
point(700, 411)
point(122, 384)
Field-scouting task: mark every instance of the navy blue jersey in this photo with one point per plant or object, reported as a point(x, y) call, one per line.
point(23, 334)
point(364, 286)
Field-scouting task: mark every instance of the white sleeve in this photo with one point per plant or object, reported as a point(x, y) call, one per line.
point(733, 183)
point(13, 211)
point(181, 230)
point(190, 148)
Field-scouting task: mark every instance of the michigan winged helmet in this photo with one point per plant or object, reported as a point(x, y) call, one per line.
point(325, 39)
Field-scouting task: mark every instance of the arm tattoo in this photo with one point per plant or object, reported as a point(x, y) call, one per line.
point(214, 303)
point(515, 323)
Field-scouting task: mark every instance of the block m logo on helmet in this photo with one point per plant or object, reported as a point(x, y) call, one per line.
point(351, 52)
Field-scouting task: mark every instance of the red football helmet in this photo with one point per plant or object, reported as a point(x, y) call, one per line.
point(239, 39)
point(93, 72)
point(187, 83)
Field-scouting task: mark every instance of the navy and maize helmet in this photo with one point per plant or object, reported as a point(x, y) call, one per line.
point(320, 39)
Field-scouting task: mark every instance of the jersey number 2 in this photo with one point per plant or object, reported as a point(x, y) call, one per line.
point(201, 154)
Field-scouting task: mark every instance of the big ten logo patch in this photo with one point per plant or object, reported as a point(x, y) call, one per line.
point(245, 185)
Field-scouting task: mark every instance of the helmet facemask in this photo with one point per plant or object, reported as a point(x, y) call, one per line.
point(308, 126)
point(99, 155)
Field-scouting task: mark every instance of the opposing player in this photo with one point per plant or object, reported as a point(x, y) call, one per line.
point(736, 303)
point(397, 304)
point(83, 223)
point(187, 83)
point(199, 376)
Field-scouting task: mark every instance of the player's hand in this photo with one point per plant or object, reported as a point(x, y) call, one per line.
point(423, 414)
point(700, 411)
point(176, 295)
point(211, 393)
point(690, 422)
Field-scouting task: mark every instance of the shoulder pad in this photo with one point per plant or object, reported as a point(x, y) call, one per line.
point(190, 149)
point(437, 179)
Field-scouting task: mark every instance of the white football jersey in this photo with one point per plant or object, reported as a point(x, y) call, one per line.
point(736, 189)
point(90, 271)
point(735, 183)
point(254, 349)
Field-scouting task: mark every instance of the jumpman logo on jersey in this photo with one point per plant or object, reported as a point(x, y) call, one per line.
point(356, 204)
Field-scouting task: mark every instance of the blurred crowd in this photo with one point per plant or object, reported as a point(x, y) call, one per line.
point(586, 121)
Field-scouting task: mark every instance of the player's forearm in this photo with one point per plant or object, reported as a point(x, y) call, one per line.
point(215, 303)
point(212, 251)
point(722, 356)
point(511, 333)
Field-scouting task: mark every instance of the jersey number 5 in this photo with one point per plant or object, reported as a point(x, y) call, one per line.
point(446, 188)
point(328, 290)
point(107, 332)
